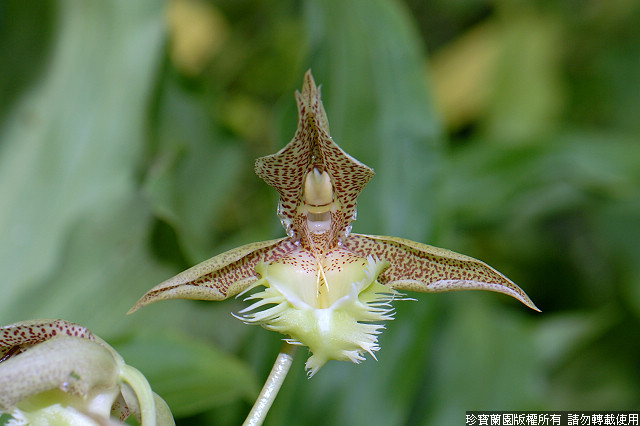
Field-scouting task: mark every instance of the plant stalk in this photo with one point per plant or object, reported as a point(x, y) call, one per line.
point(272, 386)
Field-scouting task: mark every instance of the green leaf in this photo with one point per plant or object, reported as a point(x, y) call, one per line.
point(195, 172)
point(71, 145)
point(483, 357)
point(526, 93)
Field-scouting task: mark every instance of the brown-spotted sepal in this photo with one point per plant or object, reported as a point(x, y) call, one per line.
point(312, 148)
point(221, 276)
point(427, 269)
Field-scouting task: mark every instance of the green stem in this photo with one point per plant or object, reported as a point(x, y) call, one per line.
point(272, 386)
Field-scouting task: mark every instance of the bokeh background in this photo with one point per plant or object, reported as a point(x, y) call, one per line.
point(503, 129)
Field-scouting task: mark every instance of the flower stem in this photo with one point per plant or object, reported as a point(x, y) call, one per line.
point(272, 386)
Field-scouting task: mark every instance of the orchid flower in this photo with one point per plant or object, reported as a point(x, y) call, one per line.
point(323, 286)
point(54, 372)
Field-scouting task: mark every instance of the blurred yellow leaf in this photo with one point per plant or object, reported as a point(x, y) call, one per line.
point(461, 73)
point(197, 31)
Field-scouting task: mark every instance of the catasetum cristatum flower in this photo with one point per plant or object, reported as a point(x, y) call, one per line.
point(322, 285)
point(54, 372)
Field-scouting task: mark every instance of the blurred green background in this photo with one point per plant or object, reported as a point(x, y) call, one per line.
point(506, 130)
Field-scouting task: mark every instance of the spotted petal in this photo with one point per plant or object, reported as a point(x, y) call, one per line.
point(221, 276)
point(311, 147)
point(427, 269)
point(17, 337)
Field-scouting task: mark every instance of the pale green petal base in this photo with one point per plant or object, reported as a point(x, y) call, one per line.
point(57, 407)
point(342, 330)
point(51, 415)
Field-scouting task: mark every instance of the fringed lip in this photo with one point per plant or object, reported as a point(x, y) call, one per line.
point(345, 330)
